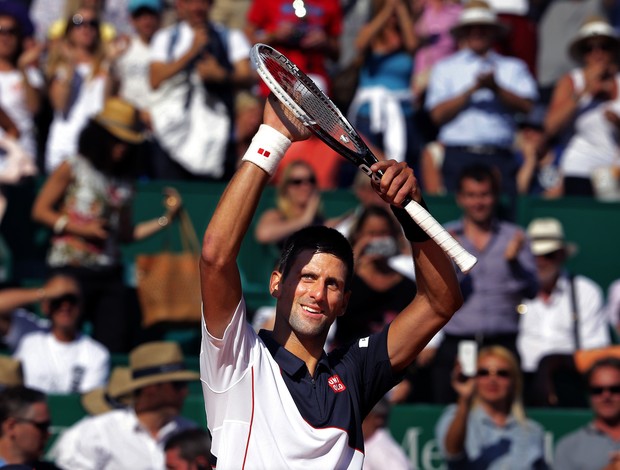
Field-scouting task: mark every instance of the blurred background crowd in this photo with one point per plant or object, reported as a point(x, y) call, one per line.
point(488, 102)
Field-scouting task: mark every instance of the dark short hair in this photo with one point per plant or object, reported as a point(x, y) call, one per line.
point(317, 239)
point(480, 173)
point(192, 443)
point(15, 402)
point(608, 361)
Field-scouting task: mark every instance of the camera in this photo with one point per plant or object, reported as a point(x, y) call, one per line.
point(385, 247)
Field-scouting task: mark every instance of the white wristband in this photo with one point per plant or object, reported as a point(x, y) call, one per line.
point(267, 148)
point(60, 224)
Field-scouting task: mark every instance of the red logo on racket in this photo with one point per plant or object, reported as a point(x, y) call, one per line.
point(336, 384)
point(264, 153)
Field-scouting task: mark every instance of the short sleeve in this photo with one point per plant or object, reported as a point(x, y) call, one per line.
point(438, 89)
point(519, 80)
point(370, 358)
point(225, 361)
point(158, 51)
point(238, 46)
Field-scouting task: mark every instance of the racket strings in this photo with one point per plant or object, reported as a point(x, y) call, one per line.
point(314, 103)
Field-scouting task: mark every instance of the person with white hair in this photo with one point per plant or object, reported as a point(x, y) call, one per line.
point(567, 314)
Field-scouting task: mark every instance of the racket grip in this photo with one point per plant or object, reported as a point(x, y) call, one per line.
point(463, 259)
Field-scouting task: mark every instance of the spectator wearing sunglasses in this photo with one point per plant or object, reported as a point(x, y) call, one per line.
point(567, 314)
point(585, 108)
point(62, 360)
point(595, 445)
point(298, 205)
point(487, 427)
point(24, 428)
point(77, 73)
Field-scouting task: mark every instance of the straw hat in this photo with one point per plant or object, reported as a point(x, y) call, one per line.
point(547, 236)
point(116, 394)
point(11, 374)
point(594, 27)
point(477, 13)
point(122, 121)
point(158, 362)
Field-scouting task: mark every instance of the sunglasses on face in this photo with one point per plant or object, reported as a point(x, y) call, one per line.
point(79, 20)
point(8, 31)
point(42, 426)
point(299, 181)
point(503, 373)
point(601, 46)
point(56, 303)
point(613, 389)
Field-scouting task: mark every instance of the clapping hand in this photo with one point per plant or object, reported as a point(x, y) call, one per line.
point(514, 246)
point(487, 80)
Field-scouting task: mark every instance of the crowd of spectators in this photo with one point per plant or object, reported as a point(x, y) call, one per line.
point(486, 101)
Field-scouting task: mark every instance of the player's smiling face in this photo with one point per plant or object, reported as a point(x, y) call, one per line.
point(313, 292)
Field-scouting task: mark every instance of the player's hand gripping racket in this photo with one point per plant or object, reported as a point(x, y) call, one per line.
point(295, 90)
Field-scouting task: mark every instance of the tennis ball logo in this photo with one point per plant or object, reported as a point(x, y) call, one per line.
point(373, 176)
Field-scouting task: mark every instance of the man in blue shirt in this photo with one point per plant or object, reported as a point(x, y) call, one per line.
point(504, 276)
point(473, 96)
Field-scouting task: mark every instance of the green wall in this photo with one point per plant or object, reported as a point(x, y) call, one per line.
point(594, 226)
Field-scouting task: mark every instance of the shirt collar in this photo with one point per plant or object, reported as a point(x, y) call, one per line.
point(165, 431)
point(486, 419)
point(287, 361)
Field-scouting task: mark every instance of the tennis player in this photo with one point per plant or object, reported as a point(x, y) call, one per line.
point(276, 399)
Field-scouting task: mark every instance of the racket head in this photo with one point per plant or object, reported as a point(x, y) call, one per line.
point(298, 92)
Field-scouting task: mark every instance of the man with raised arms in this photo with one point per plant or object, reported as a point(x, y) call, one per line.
point(275, 399)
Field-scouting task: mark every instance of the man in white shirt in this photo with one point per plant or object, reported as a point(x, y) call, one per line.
point(276, 399)
point(134, 437)
point(62, 360)
point(195, 68)
point(548, 333)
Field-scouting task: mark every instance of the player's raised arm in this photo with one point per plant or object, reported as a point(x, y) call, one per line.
point(439, 294)
point(219, 273)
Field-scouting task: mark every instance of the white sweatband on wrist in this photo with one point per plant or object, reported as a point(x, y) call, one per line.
point(267, 148)
point(60, 224)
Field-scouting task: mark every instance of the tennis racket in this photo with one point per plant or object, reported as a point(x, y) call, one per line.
point(295, 90)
